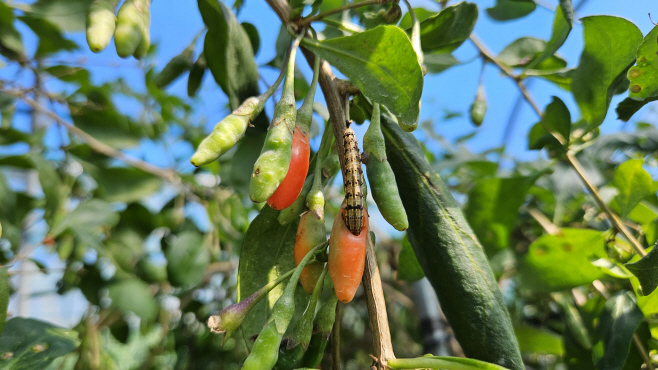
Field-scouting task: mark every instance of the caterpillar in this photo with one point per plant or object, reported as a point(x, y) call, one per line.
point(352, 181)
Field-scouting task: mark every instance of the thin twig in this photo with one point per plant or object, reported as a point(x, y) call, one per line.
point(543, 221)
point(99, 146)
point(306, 21)
point(571, 158)
point(335, 341)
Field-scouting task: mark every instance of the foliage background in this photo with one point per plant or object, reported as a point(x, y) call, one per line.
point(449, 140)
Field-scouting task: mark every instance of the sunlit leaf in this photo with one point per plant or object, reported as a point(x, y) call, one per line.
point(381, 63)
point(633, 183)
point(559, 262)
point(31, 344)
point(610, 46)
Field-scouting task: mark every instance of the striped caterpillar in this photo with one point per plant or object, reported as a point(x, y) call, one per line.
point(352, 181)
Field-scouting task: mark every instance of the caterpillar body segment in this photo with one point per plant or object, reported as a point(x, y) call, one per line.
point(352, 182)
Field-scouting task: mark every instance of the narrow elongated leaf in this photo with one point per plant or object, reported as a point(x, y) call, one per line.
point(610, 45)
point(562, 26)
point(437, 63)
point(633, 184)
point(230, 56)
point(556, 118)
point(51, 39)
point(28, 344)
point(646, 270)
point(187, 259)
point(618, 322)
point(133, 295)
point(408, 267)
point(50, 183)
point(89, 218)
point(266, 254)
point(506, 10)
point(126, 184)
point(628, 107)
point(10, 39)
point(558, 262)
point(525, 50)
point(421, 15)
point(4, 294)
point(382, 63)
point(492, 208)
point(68, 15)
point(535, 340)
point(449, 253)
point(445, 31)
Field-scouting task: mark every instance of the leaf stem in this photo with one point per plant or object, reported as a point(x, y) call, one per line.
point(446, 363)
point(308, 20)
point(571, 158)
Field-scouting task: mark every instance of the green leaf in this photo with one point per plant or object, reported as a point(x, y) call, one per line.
point(562, 25)
point(10, 39)
point(525, 50)
point(254, 37)
point(445, 31)
point(51, 39)
point(101, 120)
point(126, 184)
point(187, 259)
point(135, 296)
point(492, 208)
point(421, 14)
point(644, 76)
point(559, 262)
point(633, 184)
point(449, 253)
point(562, 78)
point(442, 362)
point(535, 340)
point(408, 267)
point(628, 107)
point(266, 254)
point(618, 322)
point(28, 344)
point(557, 118)
point(646, 270)
point(230, 56)
point(4, 294)
point(506, 10)
point(51, 185)
point(242, 163)
point(68, 15)
point(610, 45)
point(612, 268)
point(89, 218)
point(437, 63)
point(382, 63)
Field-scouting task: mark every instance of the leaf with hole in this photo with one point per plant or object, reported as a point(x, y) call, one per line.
point(559, 262)
point(32, 344)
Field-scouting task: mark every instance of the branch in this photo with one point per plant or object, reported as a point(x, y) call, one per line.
point(334, 102)
point(372, 284)
point(100, 147)
point(571, 158)
point(357, 4)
